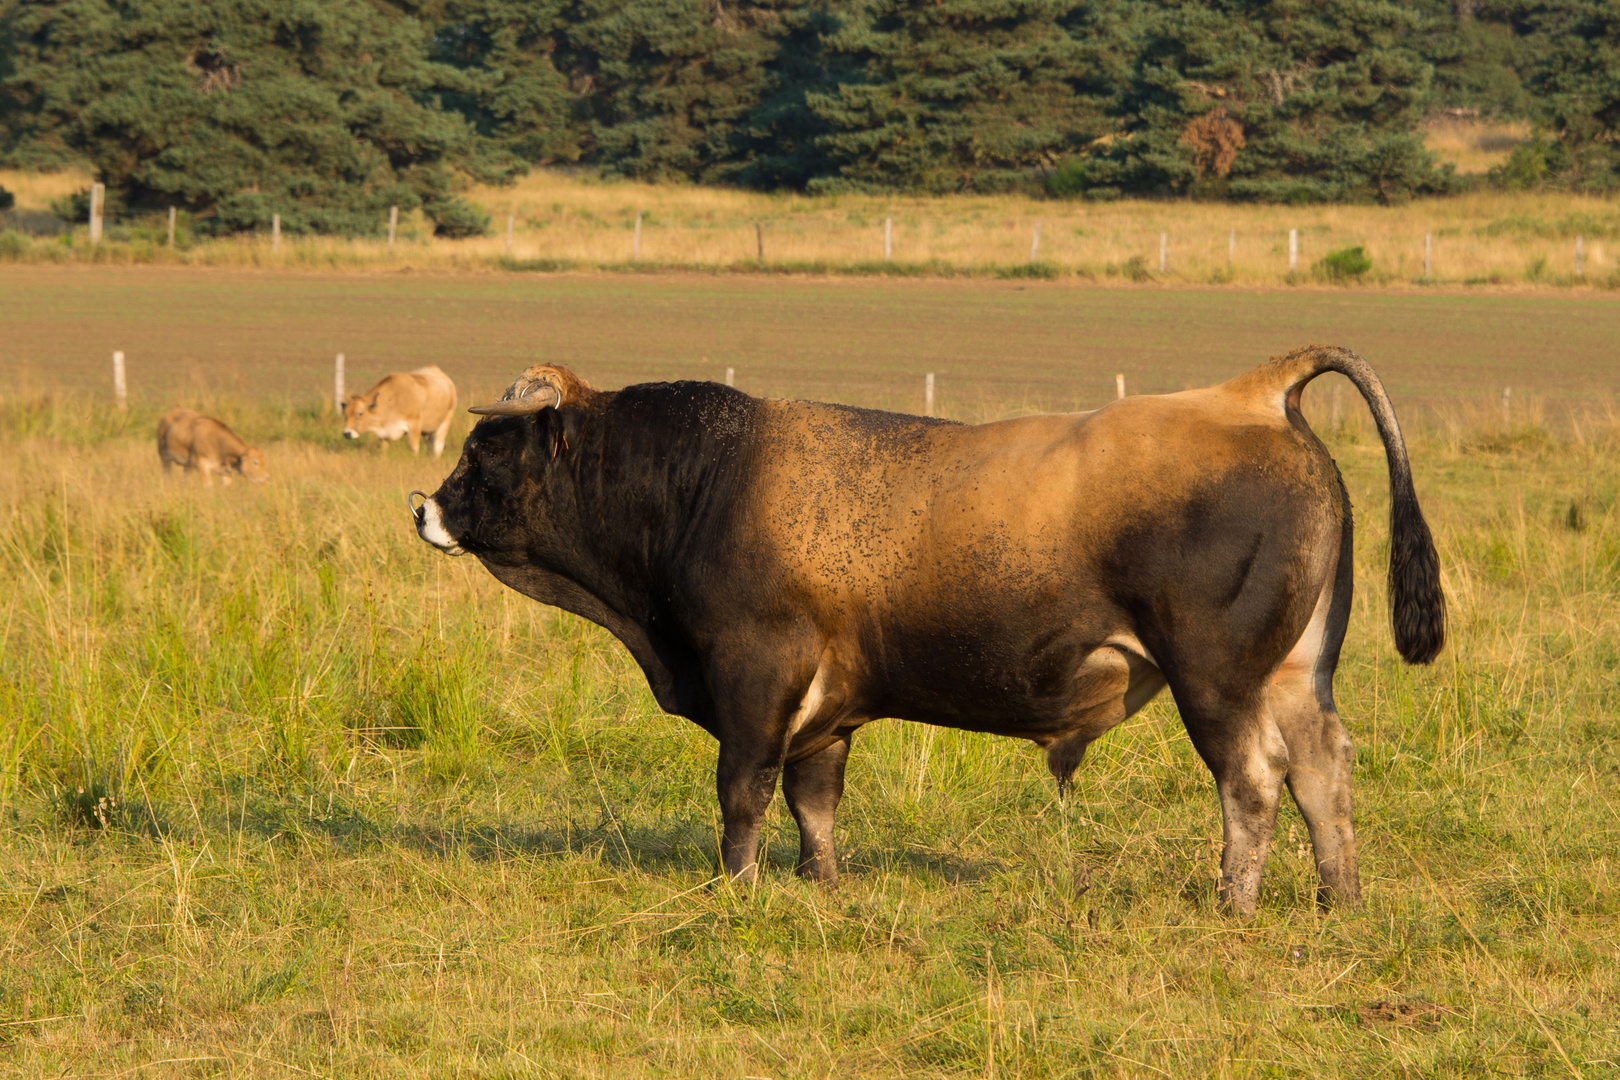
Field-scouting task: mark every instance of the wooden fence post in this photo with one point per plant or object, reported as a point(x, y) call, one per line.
point(275, 232)
point(337, 385)
point(1293, 250)
point(98, 202)
point(393, 227)
point(1507, 404)
point(1580, 252)
point(635, 244)
point(759, 237)
point(888, 238)
point(1164, 244)
point(511, 227)
point(1231, 248)
point(928, 394)
point(1428, 255)
point(120, 387)
point(731, 376)
point(1035, 244)
point(171, 226)
point(1119, 386)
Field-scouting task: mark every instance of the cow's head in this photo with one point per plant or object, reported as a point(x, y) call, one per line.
point(360, 415)
point(252, 466)
point(491, 503)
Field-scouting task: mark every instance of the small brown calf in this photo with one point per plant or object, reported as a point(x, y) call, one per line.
point(194, 441)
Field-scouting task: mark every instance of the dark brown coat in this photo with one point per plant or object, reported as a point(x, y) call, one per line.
point(785, 572)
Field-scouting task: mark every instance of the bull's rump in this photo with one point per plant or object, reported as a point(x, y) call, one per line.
point(966, 575)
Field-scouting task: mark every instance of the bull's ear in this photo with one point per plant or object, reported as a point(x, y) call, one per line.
point(540, 386)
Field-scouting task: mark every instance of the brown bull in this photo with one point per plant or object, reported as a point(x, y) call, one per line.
point(785, 572)
point(192, 441)
point(404, 404)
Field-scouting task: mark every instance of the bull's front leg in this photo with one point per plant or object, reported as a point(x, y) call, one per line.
point(746, 780)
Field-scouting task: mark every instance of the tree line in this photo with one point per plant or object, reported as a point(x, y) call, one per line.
point(326, 112)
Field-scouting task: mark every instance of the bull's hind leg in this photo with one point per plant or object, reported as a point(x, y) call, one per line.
point(1243, 747)
point(813, 786)
point(1319, 751)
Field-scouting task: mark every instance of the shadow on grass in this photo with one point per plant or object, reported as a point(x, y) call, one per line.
point(672, 845)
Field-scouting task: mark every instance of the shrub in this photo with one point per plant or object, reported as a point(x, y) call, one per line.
point(1345, 264)
point(455, 219)
point(1070, 180)
point(13, 244)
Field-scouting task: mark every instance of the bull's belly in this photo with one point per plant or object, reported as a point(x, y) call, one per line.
point(1098, 688)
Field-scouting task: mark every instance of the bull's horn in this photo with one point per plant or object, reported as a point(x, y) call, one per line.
point(544, 396)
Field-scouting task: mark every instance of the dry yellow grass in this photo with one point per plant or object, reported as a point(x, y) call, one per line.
point(35, 191)
point(1476, 236)
point(1475, 147)
point(568, 218)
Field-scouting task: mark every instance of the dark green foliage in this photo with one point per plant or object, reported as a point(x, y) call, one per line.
point(1274, 101)
point(328, 113)
point(7, 199)
point(669, 81)
point(239, 109)
point(511, 91)
point(779, 140)
point(1480, 51)
point(1345, 264)
point(1577, 89)
point(955, 95)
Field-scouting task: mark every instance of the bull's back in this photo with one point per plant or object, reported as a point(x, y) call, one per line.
point(883, 519)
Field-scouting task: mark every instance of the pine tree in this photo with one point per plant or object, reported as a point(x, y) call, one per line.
point(777, 143)
point(513, 94)
point(955, 95)
point(668, 81)
point(238, 109)
point(1577, 89)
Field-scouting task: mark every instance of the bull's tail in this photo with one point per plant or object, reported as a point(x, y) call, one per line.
point(1417, 604)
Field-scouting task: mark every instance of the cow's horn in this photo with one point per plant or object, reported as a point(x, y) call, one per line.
point(543, 396)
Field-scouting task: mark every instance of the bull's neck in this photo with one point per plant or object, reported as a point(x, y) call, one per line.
point(655, 476)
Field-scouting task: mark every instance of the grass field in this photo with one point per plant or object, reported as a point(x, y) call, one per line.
point(570, 220)
point(284, 792)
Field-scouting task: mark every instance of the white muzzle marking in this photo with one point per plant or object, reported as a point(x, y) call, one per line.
point(430, 527)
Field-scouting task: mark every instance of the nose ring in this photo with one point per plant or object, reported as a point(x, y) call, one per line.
point(416, 511)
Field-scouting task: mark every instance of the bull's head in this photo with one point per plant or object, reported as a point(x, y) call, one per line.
point(481, 506)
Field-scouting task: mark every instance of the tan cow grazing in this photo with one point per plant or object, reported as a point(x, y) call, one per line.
point(405, 403)
point(194, 441)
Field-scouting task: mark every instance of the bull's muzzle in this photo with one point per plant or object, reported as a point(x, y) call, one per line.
point(350, 433)
point(430, 525)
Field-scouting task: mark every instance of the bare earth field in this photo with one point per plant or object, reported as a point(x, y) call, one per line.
point(283, 792)
point(272, 336)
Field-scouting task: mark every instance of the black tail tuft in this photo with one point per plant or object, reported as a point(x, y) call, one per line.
point(1417, 605)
